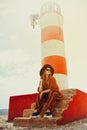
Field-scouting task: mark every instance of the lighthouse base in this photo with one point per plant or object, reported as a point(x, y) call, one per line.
point(72, 107)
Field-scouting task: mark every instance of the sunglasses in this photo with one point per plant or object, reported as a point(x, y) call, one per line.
point(48, 70)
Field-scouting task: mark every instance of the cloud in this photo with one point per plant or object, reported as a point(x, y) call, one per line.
point(12, 56)
point(15, 63)
point(19, 74)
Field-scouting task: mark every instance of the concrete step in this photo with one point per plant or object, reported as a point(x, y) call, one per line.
point(28, 112)
point(35, 121)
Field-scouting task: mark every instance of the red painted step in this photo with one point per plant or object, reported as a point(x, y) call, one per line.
point(77, 108)
point(18, 103)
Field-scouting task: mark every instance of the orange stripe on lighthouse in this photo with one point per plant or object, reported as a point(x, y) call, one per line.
point(51, 32)
point(58, 63)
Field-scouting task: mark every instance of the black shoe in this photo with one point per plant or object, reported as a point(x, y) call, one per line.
point(35, 114)
point(48, 113)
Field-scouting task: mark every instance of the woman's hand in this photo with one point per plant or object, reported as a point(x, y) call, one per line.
point(45, 91)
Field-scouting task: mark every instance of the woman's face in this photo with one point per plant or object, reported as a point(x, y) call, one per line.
point(48, 71)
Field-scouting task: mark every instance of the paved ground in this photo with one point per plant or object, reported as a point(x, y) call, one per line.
point(76, 125)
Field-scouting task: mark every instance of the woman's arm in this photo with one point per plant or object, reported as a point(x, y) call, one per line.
point(40, 88)
point(46, 91)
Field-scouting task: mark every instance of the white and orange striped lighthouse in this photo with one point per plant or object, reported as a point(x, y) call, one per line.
point(52, 41)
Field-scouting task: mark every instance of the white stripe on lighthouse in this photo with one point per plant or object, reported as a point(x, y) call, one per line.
point(53, 47)
point(52, 18)
point(62, 80)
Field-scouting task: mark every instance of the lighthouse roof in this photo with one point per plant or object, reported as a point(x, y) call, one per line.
point(50, 7)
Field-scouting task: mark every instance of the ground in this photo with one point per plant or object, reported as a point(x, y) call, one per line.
point(75, 125)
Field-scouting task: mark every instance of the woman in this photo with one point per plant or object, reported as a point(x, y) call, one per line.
point(48, 89)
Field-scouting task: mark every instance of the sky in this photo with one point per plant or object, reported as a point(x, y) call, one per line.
point(20, 46)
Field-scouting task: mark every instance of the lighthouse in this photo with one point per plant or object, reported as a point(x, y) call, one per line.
point(52, 40)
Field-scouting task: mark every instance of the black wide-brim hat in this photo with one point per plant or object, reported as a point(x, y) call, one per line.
point(44, 68)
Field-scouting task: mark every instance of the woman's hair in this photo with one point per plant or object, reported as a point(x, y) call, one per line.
point(44, 78)
point(44, 68)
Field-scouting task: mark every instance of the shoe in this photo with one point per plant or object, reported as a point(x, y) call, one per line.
point(48, 113)
point(35, 114)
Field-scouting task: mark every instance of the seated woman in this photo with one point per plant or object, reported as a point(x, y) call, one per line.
point(48, 91)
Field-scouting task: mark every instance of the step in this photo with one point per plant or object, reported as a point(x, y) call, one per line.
point(35, 121)
point(27, 112)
